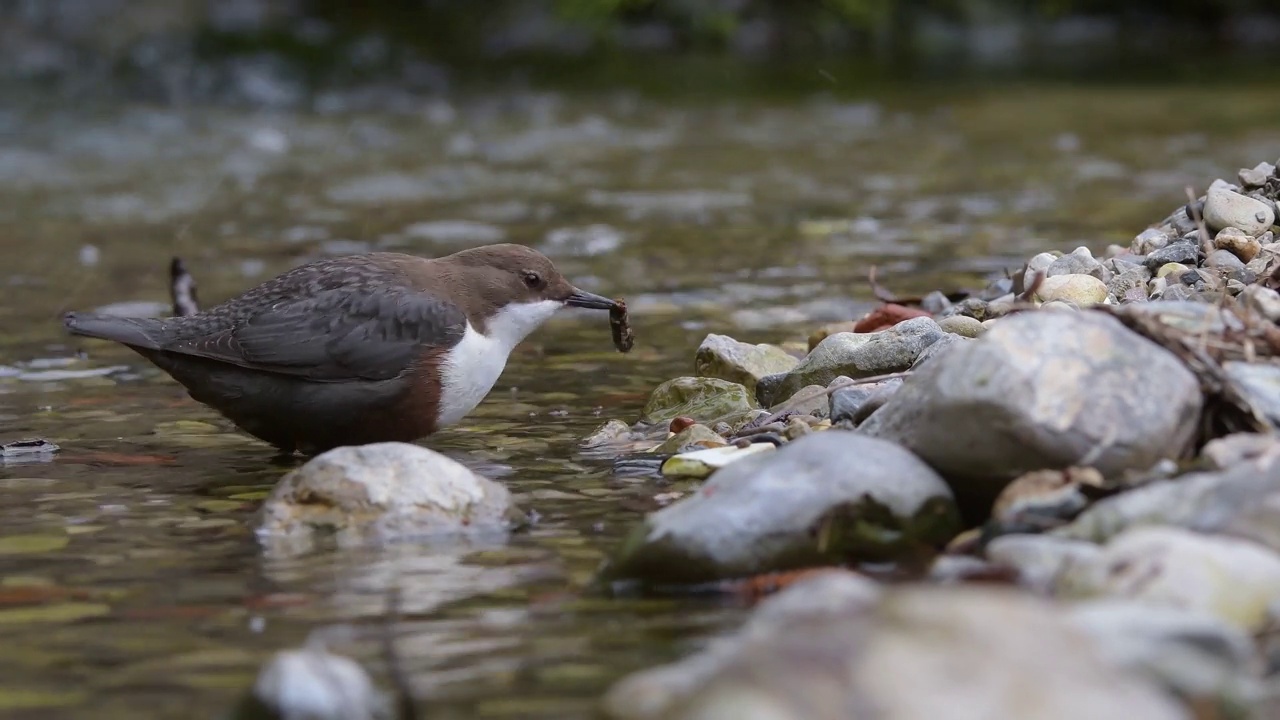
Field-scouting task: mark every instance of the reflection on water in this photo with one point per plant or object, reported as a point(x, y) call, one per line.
point(131, 584)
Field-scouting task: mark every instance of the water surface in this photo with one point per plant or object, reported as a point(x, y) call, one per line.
point(131, 584)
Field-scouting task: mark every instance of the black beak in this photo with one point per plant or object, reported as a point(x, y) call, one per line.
point(583, 299)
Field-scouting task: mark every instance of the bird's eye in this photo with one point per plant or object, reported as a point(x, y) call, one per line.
point(532, 279)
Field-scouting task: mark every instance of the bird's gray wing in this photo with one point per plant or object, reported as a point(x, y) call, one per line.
point(361, 333)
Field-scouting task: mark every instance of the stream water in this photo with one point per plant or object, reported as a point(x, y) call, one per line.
point(131, 583)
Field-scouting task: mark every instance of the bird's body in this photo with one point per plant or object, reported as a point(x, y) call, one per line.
point(357, 349)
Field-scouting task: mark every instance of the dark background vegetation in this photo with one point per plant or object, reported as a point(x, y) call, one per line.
point(187, 49)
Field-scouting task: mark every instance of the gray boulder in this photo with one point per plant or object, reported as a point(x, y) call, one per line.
point(382, 492)
point(826, 497)
point(1043, 390)
point(856, 355)
point(720, 356)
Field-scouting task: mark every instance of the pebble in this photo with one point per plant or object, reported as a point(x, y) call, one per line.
point(855, 403)
point(1083, 290)
point(707, 400)
point(1256, 176)
point(1224, 261)
point(694, 437)
point(961, 325)
point(1225, 208)
point(722, 357)
point(1040, 262)
point(855, 355)
point(1079, 262)
point(702, 463)
point(1238, 243)
point(1179, 252)
point(1149, 240)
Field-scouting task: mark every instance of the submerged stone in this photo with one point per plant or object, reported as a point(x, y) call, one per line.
point(707, 400)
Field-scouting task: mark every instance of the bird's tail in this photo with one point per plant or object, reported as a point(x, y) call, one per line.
point(135, 332)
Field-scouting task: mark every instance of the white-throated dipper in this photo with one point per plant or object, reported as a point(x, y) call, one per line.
point(356, 349)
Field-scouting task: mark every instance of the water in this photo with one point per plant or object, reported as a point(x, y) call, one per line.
point(131, 584)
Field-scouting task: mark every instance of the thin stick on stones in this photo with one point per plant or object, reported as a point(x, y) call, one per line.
point(1028, 294)
point(182, 288)
point(796, 400)
point(882, 293)
point(1206, 242)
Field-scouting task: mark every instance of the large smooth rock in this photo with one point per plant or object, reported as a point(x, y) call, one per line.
point(1225, 208)
point(856, 355)
point(1259, 383)
point(720, 356)
point(382, 492)
point(1241, 500)
point(824, 498)
point(706, 400)
point(1043, 390)
point(959, 653)
point(1237, 581)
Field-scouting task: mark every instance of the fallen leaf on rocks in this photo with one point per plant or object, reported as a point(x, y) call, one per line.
point(887, 316)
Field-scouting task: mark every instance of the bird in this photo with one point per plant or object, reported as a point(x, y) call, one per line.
point(357, 349)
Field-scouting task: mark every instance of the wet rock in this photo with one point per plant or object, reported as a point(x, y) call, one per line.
point(1083, 290)
point(1242, 500)
point(1238, 243)
point(694, 437)
point(856, 402)
point(1179, 252)
point(827, 497)
point(1079, 262)
point(1235, 580)
point(1195, 656)
point(382, 492)
point(856, 355)
point(983, 653)
point(975, 308)
point(312, 684)
point(722, 357)
point(1039, 559)
point(1259, 384)
point(961, 325)
point(1224, 208)
point(1041, 391)
point(707, 400)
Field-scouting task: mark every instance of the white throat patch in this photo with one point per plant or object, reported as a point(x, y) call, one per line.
point(473, 365)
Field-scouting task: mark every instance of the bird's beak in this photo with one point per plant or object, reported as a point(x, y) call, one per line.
point(583, 299)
